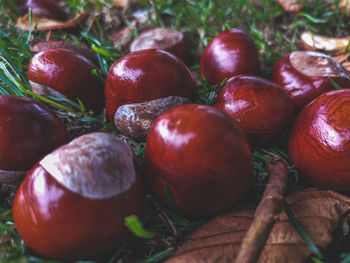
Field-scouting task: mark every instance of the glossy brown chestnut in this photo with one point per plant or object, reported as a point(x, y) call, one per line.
point(306, 75)
point(45, 8)
point(64, 73)
point(260, 107)
point(230, 53)
point(143, 77)
point(38, 45)
point(72, 204)
point(28, 131)
point(319, 144)
point(162, 38)
point(201, 155)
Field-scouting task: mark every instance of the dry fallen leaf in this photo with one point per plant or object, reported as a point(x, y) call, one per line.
point(292, 6)
point(49, 24)
point(121, 3)
point(123, 37)
point(319, 211)
point(310, 41)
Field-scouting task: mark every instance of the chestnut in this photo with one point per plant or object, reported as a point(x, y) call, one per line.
point(37, 45)
point(319, 143)
point(64, 73)
point(143, 84)
point(45, 8)
point(162, 38)
point(28, 131)
point(307, 74)
point(231, 52)
point(72, 204)
point(260, 107)
point(201, 155)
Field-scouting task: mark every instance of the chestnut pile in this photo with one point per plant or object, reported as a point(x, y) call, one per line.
point(199, 155)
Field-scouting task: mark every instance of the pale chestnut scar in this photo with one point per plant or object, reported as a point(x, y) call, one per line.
point(96, 166)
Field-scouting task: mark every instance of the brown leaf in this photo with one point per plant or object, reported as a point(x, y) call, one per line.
point(290, 5)
point(346, 65)
point(49, 24)
point(345, 4)
point(319, 212)
point(310, 41)
point(121, 3)
point(122, 38)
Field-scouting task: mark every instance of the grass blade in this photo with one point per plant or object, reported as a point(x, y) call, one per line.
point(299, 228)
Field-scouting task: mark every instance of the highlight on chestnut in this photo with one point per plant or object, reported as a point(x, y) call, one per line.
point(230, 53)
point(143, 84)
point(63, 73)
point(260, 107)
point(319, 143)
point(201, 155)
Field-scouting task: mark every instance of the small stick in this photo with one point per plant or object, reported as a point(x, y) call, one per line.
point(264, 217)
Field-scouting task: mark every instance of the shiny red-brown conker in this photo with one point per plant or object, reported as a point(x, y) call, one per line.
point(150, 80)
point(201, 155)
point(260, 107)
point(162, 38)
point(28, 131)
point(67, 73)
point(307, 74)
point(147, 75)
point(231, 52)
point(45, 8)
point(76, 211)
point(319, 143)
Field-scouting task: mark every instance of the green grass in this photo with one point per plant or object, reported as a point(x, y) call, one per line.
point(274, 32)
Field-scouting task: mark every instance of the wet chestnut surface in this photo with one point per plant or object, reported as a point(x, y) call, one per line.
point(304, 85)
point(231, 52)
point(28, 131)
point(45, 8)
point(201, 155)
point(319, 144)
point(260, 107)
point(63, 225)
point(69, 74)
point(147, 75)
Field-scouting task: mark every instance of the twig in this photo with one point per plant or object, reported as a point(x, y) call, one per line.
point(269, 206)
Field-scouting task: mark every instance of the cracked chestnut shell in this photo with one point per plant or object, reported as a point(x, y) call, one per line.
point(307, 74)
point(201, 155)
point(45, 8)
point(64, 73)
point(231, 52)
point(142, 85)
point(319, 143)
point(72, 204)
point(28, 131)
point(260, 107)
